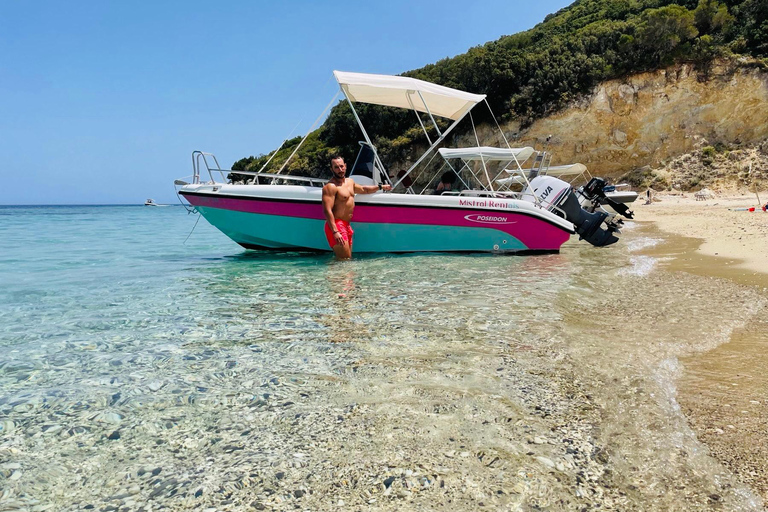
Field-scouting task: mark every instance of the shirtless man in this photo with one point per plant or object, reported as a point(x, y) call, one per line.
point(338, 204)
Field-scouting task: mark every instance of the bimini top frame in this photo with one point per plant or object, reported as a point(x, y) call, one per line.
point(485, 154)
point(557, 171)
point(411, 93)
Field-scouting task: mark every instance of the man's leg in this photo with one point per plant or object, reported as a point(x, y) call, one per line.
point(342, 251)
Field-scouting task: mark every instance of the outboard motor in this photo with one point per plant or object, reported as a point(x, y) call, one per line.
point(594, 194)
point(559, 197)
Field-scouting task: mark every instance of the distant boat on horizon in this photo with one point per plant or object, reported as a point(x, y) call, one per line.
point(151, 202)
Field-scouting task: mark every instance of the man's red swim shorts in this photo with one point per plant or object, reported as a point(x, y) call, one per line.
point(342, 227)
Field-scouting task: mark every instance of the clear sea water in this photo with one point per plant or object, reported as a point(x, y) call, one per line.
point(144, 368)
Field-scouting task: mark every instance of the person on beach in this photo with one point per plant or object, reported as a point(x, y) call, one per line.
point(338, 205)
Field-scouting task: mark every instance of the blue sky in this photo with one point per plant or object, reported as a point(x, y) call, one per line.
point(103, 102)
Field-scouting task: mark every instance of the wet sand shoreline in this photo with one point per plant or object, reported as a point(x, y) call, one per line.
point(737, 237)
point(722, 391)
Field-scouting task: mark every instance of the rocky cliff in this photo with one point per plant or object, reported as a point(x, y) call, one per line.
point(650, 119)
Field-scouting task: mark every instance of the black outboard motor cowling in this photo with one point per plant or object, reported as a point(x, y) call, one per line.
point(588, 225)
point(595, 191)
point(559, 197)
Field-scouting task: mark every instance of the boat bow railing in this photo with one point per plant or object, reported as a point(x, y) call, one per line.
point(268, 178)
point(201, 158)
point(197, 157)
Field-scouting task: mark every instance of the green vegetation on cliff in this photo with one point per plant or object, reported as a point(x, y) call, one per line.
point(533, 73)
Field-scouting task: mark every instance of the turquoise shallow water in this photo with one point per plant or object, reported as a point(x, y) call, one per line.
point(142, 369)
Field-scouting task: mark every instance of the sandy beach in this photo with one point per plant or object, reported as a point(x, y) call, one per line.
point(739, 237)
point(722, 392)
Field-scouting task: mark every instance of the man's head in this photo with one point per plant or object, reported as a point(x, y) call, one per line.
point(338, 167)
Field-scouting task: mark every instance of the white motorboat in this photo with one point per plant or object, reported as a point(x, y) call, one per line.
point(611, 195)
point(276, 211)
point(151, 202)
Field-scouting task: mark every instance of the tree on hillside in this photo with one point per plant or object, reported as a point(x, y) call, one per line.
point(711, 16)
point(662, 30)
point(755, 29)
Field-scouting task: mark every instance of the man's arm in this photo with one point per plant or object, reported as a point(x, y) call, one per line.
point(329, 199)
point(370, 189)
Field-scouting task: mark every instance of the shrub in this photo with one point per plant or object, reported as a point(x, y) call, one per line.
point(708, 155)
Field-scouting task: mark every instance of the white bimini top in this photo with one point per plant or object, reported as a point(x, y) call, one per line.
point(406, 92)
point(488, 154)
